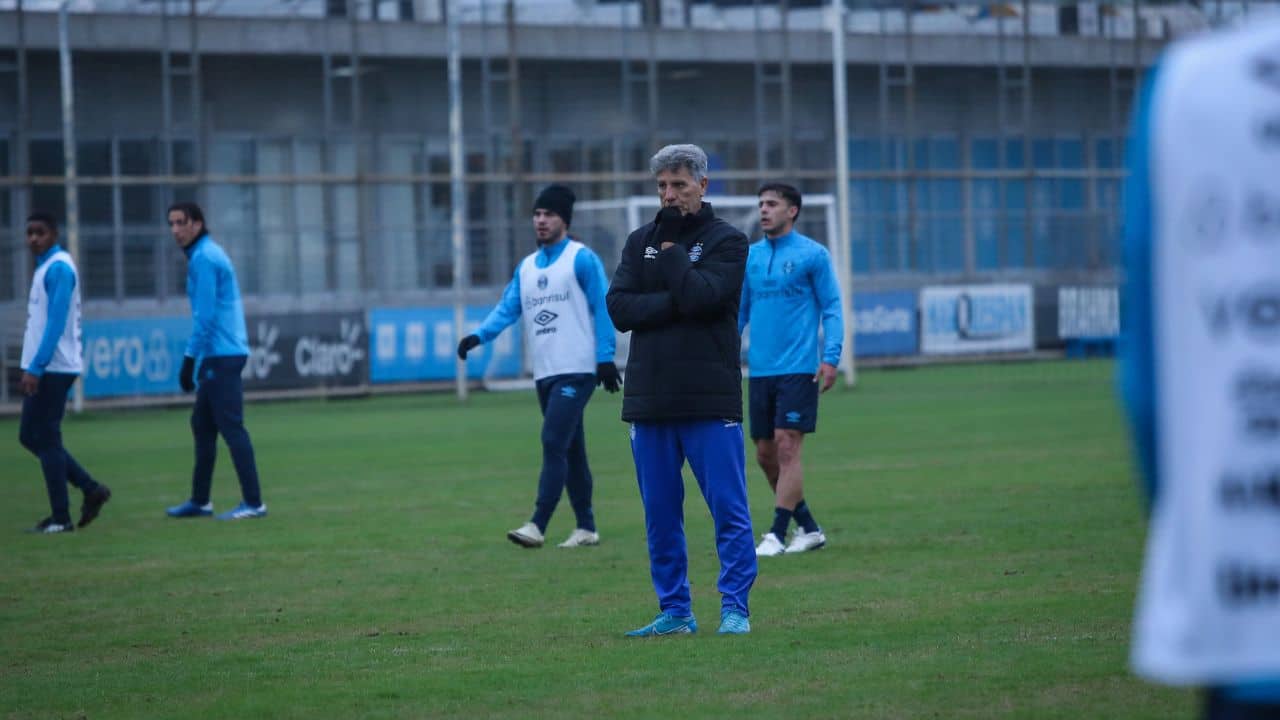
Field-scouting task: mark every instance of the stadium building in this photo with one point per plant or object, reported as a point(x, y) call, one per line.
point(985, 142)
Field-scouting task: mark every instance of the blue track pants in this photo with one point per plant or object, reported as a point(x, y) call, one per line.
point(714, 450)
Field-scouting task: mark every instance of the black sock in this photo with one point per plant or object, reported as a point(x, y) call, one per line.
point(781, 519)
point(804, 518)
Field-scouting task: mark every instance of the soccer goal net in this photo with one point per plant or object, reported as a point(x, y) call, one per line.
point(603, 226)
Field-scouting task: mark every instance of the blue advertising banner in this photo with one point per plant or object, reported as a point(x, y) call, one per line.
point(884, 323)
point(418, 343)
point(135, 356)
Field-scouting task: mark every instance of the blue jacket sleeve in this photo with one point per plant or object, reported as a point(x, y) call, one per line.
point(1137, 371)
point(203, 277)
point(827, 292)
point(589, 271)
point(59, 281)
point(506, 312)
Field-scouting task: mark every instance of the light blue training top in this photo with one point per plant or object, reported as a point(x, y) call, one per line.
point(216, 308)
point(59, 282)
point(790, 284)
point(589, 272)
point(1136, 371)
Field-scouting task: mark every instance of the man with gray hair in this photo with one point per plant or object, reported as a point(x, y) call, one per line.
point(677, 290)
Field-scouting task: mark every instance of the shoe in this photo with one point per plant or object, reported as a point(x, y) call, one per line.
point(244, 511)
point(805, 541)
point(581, 538)
point(769, 546)
point(666, 624)
point(48, 527)
point(189, 509)
point(527, 535)
point(733, 622)
point(93, 503)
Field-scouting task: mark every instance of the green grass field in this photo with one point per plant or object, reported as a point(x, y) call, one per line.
point(984, 544)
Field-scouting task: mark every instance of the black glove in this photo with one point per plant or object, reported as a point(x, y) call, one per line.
point(469, 343)
point(186, 377)
point(669, 221)
point(607, 375)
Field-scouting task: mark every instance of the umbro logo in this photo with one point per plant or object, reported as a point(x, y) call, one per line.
point(793, 416)
point(545, 317)
point(651, 253)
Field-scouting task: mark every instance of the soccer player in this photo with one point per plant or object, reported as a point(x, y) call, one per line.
point(559, 291)
point(1199, 367)
point(677, 290)
point(51, 362)
point(211, 366)
point(790, 286)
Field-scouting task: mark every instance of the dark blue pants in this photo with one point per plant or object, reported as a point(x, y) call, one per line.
point(220, 409)
point(41, 433)
point(564, 449)
point(714, 449)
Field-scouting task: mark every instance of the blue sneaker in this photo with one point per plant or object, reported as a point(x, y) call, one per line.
point(189, 509)
point(244, 512)
point(666, 624)
point(733, 622)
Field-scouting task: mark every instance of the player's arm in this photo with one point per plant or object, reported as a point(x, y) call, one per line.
point(499, 318)
point(589, 272)
point(1137, 371)
point(707, 287)
point(631, 307)
point(59, 282)
point(204, 306)
point(505, 313)
point(827, 293)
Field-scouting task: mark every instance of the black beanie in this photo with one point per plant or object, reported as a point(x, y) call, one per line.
point(559, 200)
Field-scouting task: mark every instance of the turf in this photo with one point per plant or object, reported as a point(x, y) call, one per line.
point(984, 544)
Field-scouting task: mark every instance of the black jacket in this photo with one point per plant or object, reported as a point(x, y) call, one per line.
point(681, 306)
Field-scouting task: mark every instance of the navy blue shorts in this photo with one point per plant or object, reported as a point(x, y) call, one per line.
point(786, 402)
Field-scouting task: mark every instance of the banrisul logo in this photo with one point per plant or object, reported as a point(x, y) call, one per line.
point(545, 317)
point(542, 282)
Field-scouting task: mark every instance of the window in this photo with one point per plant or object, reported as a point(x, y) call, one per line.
point(940, 234)
point(45, 157)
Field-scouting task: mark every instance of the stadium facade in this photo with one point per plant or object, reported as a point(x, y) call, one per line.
point(986, 139)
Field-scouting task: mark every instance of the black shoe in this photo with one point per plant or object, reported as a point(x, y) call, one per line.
point(48, 527)
point(93, 502)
